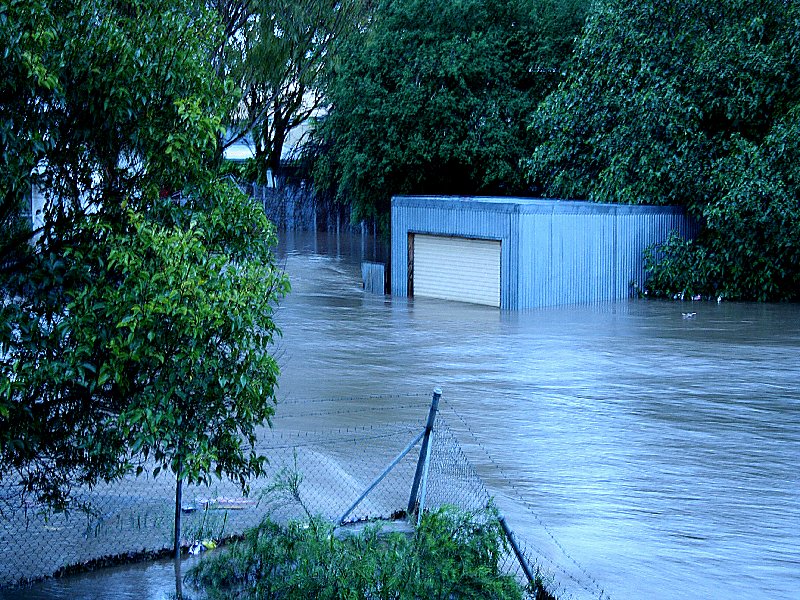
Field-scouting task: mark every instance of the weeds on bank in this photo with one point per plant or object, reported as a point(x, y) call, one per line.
point(452, 554)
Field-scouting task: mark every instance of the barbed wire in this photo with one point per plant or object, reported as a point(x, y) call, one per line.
point(348, 411)
point(300, 400)
point(347, 435)
point(519, 497)
point(337, 462)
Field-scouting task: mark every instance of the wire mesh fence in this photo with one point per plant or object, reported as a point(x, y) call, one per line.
point(325, 443)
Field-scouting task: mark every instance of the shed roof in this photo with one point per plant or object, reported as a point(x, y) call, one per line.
point(529, 205)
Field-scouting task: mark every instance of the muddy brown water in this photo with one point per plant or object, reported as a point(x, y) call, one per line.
point(657, 453)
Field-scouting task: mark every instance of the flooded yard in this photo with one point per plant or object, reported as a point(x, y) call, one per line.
point(656, 452)
point(660, 450)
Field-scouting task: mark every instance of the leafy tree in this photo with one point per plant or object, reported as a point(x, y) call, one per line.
point(278, 53)
point(135, 326)
point(691, 103)
point(25, 88)
point(435, 97)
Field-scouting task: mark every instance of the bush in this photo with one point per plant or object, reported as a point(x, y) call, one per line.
point(452, 554)
point(694, 103)
point(435, 95)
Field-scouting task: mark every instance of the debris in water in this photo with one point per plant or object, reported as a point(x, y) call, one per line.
point(200, 546)
point(224, 503)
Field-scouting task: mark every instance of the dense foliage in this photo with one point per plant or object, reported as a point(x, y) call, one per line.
point(452, 554)
point(695, 103)
point(277, 53)
point(135, 325)
point(435, 97)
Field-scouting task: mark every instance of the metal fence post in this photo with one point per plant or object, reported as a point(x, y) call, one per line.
point(424, 491)
point(523, 562)
point(380, 477)
point(423, 452)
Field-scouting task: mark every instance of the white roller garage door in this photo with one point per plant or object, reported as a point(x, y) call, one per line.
point(454, 268)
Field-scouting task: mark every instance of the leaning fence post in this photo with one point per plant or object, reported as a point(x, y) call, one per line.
point(517, 552)
point(424, 491)
point(423, 452)
point(380, 477)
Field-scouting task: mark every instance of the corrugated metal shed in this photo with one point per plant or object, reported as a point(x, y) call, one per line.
point(553, 252)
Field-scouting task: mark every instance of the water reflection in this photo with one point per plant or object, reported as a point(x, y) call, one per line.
point(142, 581)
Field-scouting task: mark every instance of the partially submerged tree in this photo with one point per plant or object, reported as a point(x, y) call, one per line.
point(693, 103)
point(435, 97)
point(135, 328)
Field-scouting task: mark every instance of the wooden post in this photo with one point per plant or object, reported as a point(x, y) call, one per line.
point(423, 453)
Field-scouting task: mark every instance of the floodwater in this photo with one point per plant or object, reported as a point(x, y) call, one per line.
point(155, 580)
point(659, 454)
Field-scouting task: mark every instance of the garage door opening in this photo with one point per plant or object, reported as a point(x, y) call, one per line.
point(454, 268)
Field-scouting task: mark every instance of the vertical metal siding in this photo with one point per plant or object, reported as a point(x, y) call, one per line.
point(588, 257)
point(458, 220)
point(554, 252)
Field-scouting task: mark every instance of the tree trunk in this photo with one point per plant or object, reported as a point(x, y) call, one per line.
point(178, 502)
point(279, 123)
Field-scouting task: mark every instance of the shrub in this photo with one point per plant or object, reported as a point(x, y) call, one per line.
point(452, 554)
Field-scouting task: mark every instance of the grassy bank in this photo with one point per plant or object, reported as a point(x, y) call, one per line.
point(451, 554)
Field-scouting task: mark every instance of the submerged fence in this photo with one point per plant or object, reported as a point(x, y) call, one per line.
point(295, 207)
point(340, 448)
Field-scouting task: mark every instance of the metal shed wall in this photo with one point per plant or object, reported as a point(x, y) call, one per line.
point(585, 252)
point(553, 252)
point(463, 217)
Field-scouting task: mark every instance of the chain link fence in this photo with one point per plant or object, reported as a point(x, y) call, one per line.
point(336, 462)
